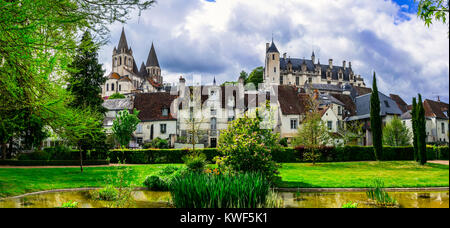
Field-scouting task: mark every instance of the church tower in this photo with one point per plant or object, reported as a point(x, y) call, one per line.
point(272, 68)
point(122, 56)
point(152, 66)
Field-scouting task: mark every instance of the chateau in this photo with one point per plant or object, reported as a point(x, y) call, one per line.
point(170, 112)
point(294, 71)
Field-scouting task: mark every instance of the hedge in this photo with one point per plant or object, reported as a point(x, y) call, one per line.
point(52, 162)
point(61, 153)
point(157, 156)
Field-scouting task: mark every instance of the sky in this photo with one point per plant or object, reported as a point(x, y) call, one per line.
point(220, 38)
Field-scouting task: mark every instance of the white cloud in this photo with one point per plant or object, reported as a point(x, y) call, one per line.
point(224, 37)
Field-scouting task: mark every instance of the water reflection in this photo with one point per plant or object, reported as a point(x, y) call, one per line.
point(151, 199)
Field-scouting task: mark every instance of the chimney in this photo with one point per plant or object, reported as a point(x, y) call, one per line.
point(284, 56)
point(343, 64)
point(267, 47)
point(330, 63)
point(182, 86)
point(350, 65)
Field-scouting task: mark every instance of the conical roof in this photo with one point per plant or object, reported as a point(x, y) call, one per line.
point(272, 48)
point(152, 60)
point(123, 45)
point(143, 70)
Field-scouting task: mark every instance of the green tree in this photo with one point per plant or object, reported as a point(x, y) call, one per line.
point(243, 75)
point(421, 132)
point(38, 41)
point(124, 125)
point(247, 147)
point(116, 96)
point(429, 10)
point(34, 131)
point(256, 76)
point(375, 120)
point(414, 128)
point(395, 133)
point(351, 132)
point(86, 76)
point(312, 133)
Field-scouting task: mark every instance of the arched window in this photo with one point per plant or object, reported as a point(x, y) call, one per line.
point(120, 61)
point(125, 60)
point(120, 87)
point(107, 87)
point(112, 86)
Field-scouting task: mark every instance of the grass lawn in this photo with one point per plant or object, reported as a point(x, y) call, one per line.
point(344, 174)
point(361, 174)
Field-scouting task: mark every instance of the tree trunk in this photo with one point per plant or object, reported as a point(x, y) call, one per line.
point(3, 151)
point(81, 160)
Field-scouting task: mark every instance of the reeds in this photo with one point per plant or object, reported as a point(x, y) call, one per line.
point(379, 195)
point(199, 190)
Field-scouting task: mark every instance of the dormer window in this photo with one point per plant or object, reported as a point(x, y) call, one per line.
point(165, 112)
point(386, 104)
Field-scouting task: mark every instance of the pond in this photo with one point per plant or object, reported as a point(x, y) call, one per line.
point(152, 199)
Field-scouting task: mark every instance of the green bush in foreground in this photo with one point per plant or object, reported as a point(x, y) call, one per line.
point(196, 190)
point(70, 204)
point(350, 205)
point(108, 193)
point(162, 180)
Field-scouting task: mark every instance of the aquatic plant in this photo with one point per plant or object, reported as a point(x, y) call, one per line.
point(70, 204)
point(379, 195)
point(161, 181)
point(200, 190)
point(350, 205)
point(108, 193)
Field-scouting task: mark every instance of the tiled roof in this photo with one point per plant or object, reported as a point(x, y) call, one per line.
point(348, 103)
point(400, 102)
point(436, 109)
point(291, 102)
point(114, 75)
point(151, 105)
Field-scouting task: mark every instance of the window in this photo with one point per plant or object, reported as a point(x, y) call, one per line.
point(297, 80)
point(230, 115)
point(330, 125)
point(139, 140)
point(120, 87)
point(310, 80)
point(165, 112)
point(112, 86)
point(339, 110)
point(120, 61)
point(139, 129)
point(293, 123)
point(281, 80)
point(213, 123)
point(191, 113)
point(163, 128)
point(107, 87)
point(213, 112)
point(273, 56)
point(275, 69)
point(386, 104)
point(443, 128)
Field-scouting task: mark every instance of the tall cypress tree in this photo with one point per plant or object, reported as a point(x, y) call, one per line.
point(414, 127)
point(375, 120)
point(421, 132)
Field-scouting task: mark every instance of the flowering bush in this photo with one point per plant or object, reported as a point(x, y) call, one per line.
point(247, 147)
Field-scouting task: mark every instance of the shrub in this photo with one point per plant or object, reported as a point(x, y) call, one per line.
point(52, 163)
point(157, 143)
point(195, 162)
point(284, 142)
point(154, 182)
point(247, 147)
point(197, 190)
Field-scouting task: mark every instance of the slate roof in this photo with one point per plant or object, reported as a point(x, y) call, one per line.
point(311, 66)
point(272, 48)
point(151, 105)
point(387, 106)
point(328, 87)
point(118, 104)
point(152, 59)
point(328, 99)
point(362, 90)
point(400, 102)
point(143, 71)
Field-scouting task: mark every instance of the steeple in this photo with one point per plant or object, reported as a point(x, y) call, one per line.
point(123, 45)
point(143, 70)
point(152, 60)
point(272, 48)
point(214, 81)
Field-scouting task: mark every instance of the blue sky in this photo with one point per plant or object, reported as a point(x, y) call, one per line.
point(223, 37)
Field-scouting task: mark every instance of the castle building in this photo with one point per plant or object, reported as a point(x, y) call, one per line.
point(295, 71)
point(125, 77)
